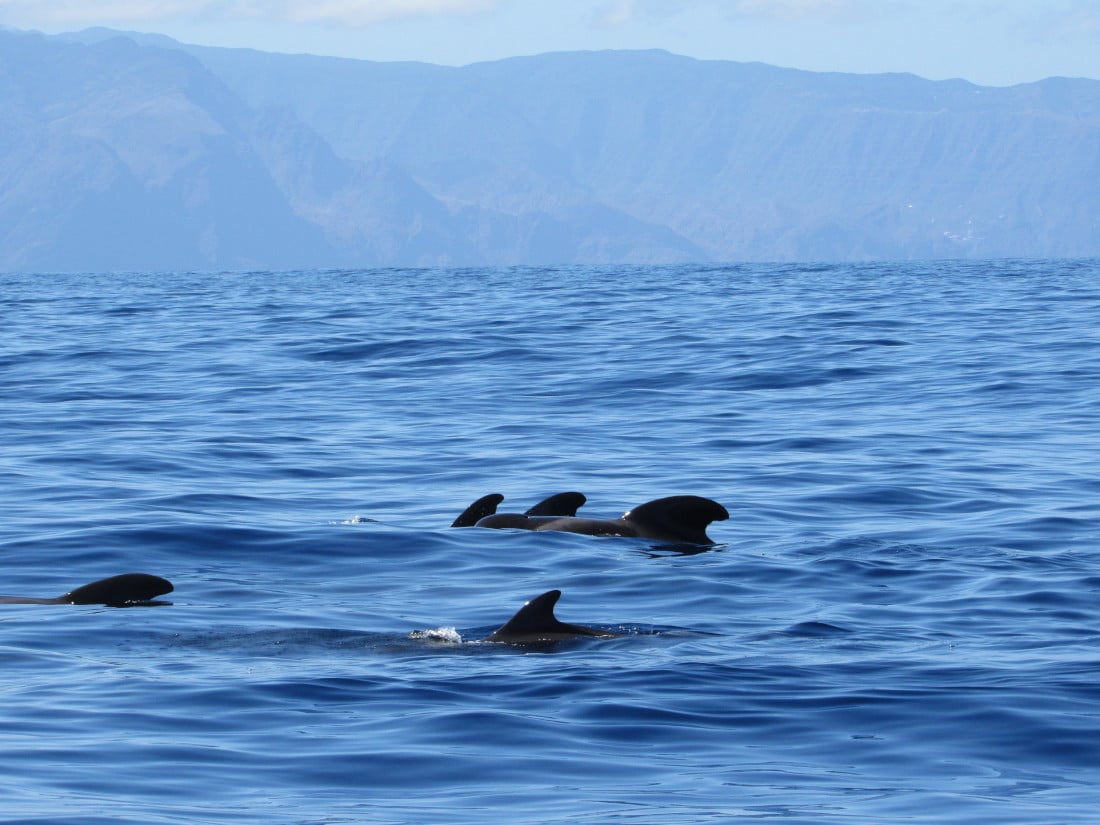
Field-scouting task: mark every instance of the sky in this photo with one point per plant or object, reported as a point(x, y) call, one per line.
point(989, 42)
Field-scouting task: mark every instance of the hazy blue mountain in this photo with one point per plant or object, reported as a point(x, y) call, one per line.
point(140, 152)
point(115, 156)
point(744, 160)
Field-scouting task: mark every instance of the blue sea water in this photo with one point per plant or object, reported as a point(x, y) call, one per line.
point(898, 624)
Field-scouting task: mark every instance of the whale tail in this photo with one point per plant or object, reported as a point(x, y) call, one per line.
point(119, 591)
point(561, 504)
point(484, 506)
point(536, 622)
point(678, 518)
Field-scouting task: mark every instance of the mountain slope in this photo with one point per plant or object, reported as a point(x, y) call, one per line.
point(744, 160)
point(139, 152)
point(120, 157)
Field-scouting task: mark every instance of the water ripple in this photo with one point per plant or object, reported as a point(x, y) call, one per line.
point(897, 623)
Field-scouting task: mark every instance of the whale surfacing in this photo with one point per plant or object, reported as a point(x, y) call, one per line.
point(125, 590)
point(535, 623)
point(674, 519)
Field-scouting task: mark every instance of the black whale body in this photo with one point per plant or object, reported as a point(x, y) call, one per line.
point(674, 519)
point(125, 590)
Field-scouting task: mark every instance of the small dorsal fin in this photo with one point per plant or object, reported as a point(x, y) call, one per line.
point(484, 506)
point(535, 617)
point(535, 622)
point(560, 504)
point(682, 518)
point(127, 588)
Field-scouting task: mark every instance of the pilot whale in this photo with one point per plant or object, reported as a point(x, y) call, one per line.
point(535, 622)
point(675, 519)
point(125, 590)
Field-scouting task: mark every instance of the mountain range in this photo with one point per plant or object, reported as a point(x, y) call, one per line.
point(125, 151)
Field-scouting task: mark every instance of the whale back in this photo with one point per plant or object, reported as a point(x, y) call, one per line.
point(676, 518)
point(517, 521)
point(561, 504)
point(116, 591)
point(559, 508)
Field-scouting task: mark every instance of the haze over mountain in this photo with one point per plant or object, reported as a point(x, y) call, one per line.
point(137, 152)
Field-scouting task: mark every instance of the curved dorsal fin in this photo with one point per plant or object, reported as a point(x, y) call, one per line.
point(683, 518)
point(560, 504)
point(535, 617)
point(127, 588)
point(484, 506)
point(536, 622)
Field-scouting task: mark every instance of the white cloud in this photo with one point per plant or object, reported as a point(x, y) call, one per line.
point(624, 12)
point(819, 9)
point(365, 12)
point(617, 13)
point(1074, 17)
point(345, 12)
point(35, 12)
point(791, 8)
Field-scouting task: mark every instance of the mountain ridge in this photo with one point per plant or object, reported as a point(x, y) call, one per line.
point(573, 157)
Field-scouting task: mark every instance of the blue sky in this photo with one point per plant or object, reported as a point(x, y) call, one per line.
point(995, 42)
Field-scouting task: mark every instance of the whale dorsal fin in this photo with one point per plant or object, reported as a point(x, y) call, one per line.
point(116, 591)
point(678, 518)
point(536, 622)
point(561, 504)
point(484, 506)
point(534, 618)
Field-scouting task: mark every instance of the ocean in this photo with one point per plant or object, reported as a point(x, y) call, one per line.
point(898, 623)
